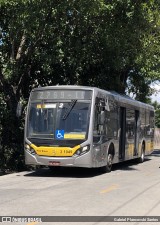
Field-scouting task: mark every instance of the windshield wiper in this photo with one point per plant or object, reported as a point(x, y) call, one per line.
point(69, 109)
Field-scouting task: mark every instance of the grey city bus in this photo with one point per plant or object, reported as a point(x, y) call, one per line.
point(78, 126)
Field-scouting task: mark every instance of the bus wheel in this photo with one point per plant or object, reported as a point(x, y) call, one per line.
point(107, 168)
point(141, 159)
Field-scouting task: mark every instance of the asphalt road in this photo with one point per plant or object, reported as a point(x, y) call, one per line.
point(131, 190)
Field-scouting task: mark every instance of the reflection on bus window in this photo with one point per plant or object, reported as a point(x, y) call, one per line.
point(44, 121)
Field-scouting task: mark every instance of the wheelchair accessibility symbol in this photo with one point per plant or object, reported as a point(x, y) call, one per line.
point(59, 134)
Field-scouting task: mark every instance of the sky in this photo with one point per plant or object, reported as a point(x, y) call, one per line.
point(156, 96)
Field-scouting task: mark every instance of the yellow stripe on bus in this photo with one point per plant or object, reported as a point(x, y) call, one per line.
point(55, 151)
point(130, 149)
point(74, 136)
point(148, 148)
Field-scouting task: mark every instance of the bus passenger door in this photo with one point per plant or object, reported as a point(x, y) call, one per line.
point(122, 138)
point(136, 133)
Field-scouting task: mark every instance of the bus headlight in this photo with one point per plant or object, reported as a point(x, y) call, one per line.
point(82, 150)
point(29, 149)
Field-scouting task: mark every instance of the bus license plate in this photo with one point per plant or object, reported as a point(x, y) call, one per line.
point(53, 163)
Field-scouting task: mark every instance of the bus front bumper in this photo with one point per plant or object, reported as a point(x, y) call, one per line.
point(74, 161)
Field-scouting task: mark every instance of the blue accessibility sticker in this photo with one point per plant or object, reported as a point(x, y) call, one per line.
point(59, 134)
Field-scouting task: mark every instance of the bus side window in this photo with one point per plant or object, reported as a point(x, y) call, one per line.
point(99, 118)
point(147, 124)
point(130, 123)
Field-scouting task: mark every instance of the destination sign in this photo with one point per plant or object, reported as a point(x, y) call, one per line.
point(61, 94)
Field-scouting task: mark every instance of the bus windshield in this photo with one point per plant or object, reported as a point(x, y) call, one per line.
point(62, 120)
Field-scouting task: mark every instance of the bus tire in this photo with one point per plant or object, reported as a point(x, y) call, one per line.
point(142, 157)
point(107, 168)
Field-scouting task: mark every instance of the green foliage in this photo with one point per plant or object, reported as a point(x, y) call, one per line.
point(11, 140)
point(108, 44)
